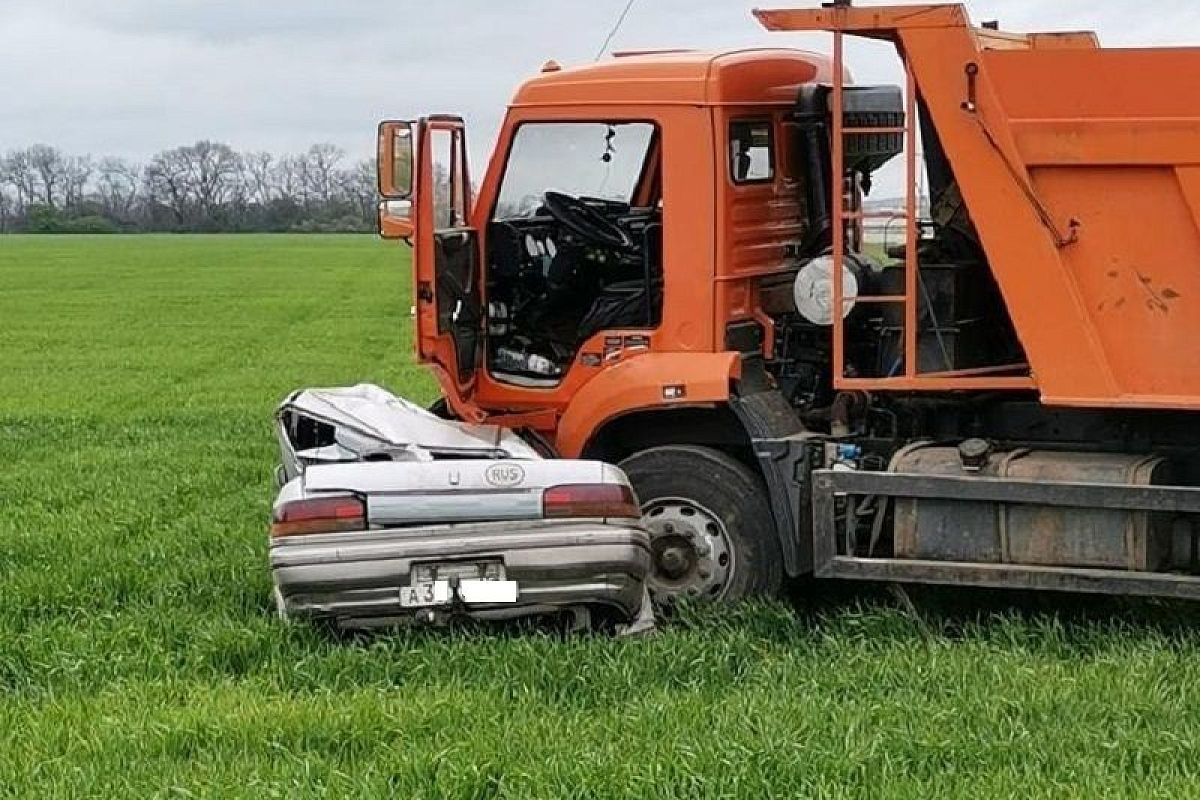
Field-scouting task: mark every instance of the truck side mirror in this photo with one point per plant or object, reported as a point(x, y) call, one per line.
point(395, 220)
point(395, 159)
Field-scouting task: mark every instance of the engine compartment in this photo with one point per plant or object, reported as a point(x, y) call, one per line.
point(962, 322)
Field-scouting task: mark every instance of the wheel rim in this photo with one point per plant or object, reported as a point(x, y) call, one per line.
point(692, 553)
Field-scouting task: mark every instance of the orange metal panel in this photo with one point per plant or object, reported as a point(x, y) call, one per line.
point(434, 347)
point(638, 385)
point(1130, 84)
point(755, 223)
point(1064, 40)
point(1110, 138)
point(837, 205)
point(881, 21)
point(763, 218)
point(1135, 268)
point(741, 77)
point(1065, 350)
point(1111, 142)
point(1002, 40)
point(911, 266)
point(1189, 184)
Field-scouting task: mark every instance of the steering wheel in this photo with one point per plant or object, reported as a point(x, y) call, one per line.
point(584, 221)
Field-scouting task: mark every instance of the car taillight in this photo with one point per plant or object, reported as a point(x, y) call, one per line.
point(590, 500)
point(319, 515)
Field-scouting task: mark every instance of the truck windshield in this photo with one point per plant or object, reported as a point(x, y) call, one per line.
point(583, 159)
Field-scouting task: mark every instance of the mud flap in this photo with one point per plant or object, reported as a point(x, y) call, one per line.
point(781, 446)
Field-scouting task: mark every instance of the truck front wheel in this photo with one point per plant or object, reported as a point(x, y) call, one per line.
point(711, 528)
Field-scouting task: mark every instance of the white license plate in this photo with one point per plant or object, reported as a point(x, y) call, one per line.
point(428, 594)
point(425, 594)
point(485, 592)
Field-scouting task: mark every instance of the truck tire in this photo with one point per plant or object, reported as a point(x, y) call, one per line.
point(711, 528)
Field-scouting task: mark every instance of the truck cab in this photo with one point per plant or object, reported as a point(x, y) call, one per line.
point(611, 186)
point(603, 284)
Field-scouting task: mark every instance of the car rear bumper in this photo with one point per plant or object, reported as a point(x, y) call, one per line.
point(355, 578)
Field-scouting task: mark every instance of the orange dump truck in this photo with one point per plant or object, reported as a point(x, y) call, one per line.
point(673, 263)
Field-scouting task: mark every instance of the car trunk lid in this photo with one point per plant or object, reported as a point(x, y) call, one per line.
point(454, 490)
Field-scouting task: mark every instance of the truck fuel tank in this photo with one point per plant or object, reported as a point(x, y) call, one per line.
point(972, 531)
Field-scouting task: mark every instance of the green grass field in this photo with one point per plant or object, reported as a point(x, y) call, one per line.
point(139, 657)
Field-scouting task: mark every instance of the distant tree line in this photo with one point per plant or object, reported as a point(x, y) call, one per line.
point(203, 187)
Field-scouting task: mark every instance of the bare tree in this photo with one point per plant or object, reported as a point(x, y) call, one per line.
point(117, 188)
point(48, 168)
point(17, 171)
point(75, 173)
point(260, 177)
point(206, 186)
point(7, 208)
point(214, 168)
point(289, 174)
point(359, 187)
point(195, 182)
point(320, 171)
point(166, 182)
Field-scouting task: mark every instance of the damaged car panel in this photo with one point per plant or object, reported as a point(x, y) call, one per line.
point(388, 514)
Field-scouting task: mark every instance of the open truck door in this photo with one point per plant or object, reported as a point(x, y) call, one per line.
point(426, 186)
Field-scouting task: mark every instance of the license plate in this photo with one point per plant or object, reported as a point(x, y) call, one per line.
point(487, 592)
point(425, 594)
point(479, 583)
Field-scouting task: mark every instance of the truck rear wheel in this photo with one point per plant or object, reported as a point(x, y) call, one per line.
point(711, 529)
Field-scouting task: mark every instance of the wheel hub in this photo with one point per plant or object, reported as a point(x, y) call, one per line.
point(692, 554)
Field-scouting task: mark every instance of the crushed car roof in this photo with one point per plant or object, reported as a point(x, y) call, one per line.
point(371, 422)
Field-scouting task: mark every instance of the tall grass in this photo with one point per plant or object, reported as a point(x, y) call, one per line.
point(139, 657)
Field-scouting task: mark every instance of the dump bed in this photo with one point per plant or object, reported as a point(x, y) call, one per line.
point(1080, 166)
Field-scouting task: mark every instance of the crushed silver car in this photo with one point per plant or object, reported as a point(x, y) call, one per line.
point(389, 514)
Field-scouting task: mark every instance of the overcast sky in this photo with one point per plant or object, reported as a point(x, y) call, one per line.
point(129, 77)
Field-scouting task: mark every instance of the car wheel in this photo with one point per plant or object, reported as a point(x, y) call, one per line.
point(711, 529)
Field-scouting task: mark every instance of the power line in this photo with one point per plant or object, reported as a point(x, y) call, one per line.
point(615, 29)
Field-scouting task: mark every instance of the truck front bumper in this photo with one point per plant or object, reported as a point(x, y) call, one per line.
point(354, 579)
